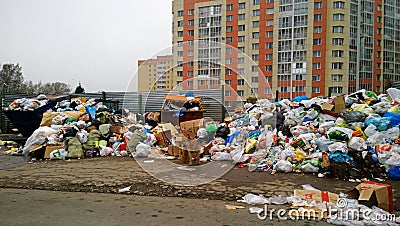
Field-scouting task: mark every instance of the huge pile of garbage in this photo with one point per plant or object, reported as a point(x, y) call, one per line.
point(354, 136)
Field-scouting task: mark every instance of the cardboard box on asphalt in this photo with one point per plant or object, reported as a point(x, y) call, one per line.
point(50, 148)
point(373, 194)
point(318, 196)
point(164, 133)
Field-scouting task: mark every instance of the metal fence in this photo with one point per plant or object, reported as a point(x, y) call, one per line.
point(137, 102)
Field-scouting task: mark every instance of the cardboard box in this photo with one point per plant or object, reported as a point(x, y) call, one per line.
point(189, 128)
point(116, 129)
point(162, 139)
point(50, 148)
point(373, 194)
point(173, 150)
point(318, 196)
point(337, 105)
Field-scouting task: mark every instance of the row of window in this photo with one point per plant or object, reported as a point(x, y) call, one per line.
point(242, 5)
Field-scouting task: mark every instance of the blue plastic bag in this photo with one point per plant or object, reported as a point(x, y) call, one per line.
point(91, 111)
point(394, 118)
point(394, 173)
point(382, 124)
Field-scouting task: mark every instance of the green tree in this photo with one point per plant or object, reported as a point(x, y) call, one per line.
point(12, 79)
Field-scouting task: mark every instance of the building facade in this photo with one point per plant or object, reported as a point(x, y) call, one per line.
point(155, 74)
point(286, 47)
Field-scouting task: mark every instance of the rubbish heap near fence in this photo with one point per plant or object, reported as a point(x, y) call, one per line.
point(349, 137)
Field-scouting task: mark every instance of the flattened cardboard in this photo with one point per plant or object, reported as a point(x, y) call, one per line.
point(318, 196)
point(49, 149)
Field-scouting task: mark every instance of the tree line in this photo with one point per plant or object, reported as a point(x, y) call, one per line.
point(13, 81)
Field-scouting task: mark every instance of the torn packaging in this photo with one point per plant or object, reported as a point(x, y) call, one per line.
point(318, 196)
point(373, 194)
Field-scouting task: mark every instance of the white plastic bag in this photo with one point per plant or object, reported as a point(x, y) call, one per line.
point(142, 150)
point(283, 166)
point(338, 146)
point(221, 156)
point(236, 154)
point(58, 154)
point(308, 168)
point(105, 151)
point(357, 144)
point(370, 130)
point(38, 137)
point(254, 199)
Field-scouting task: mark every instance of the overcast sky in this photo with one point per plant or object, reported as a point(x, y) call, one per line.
point(95, 42)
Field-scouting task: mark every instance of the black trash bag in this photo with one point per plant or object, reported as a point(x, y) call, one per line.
point(222, 131)
point(353, 116)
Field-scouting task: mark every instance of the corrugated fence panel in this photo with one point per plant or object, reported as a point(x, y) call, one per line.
point(153, 101)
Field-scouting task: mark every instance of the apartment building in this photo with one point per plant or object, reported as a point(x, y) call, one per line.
point(285, 47)
point(155, 74)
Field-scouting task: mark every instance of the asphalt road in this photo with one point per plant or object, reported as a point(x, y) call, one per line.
point(38, 207)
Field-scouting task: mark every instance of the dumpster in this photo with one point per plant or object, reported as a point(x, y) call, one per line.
point(172, 110)
point(28, 121)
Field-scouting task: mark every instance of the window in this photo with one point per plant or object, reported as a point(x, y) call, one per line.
point(228, 28)
point(255, 46)
point(337, 65)
point(256, 12)
point(269, 34)
point(254, 90)
point(268, 68)
point(378, 89)
point(229, 18)
point(180, 63)
point(317, 17)
point(190, 11)
point(316, 66)
point(241, 71)
point(180, 53)
point(180, 33)
point(338, 29)
point(256, 2)
point(317, 41)
point(191, 22)
point(180, 43)
point(316, 89)
point(337, 77)
point(240, 82)
point(270, 22)
point(240, 93)
point(255, 35)
point(318, 5)
point(228, 93)
point(191, 32)
point(190, 73)
point(270, 10)
point(254, 57)
point(268, 90)
point(228, 71)
point(228, 50)
point(241, 49)
point(190, 63)
point(268, 56)
point(270, 1)
point(269, 45)
point(190, 53)
point(379, 19)
point(242, 16)
point(283, 89)
point(379, 8)
point(190, 83)
point(336, 89)
point(228, 39)
point(337, 41)
point(228, 61)
point(316, 53)
point(256, 23)
point(338, 5)
point(379, 31)
point(229, 7)
point(241, 27)
point(317, 30)
point(242, 5)
point(254, 79)
point(338, 16)
point(316, 78)
point(299, 89)
point(180, 13)
point(240, 60)
point(241, 39)
point(179, 83)
point(228, 82)
point(191, 43)
point(337, 53)
point(254, 68)
point(180, 23)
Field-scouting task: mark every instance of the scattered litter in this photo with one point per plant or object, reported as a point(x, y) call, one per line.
point(233, 207)
point(126, 189)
